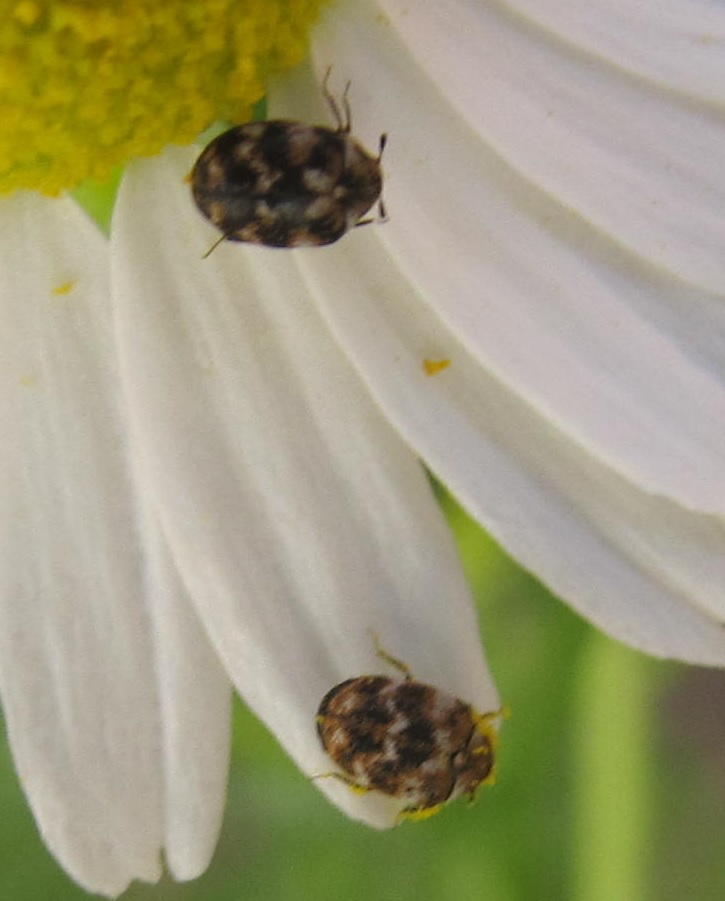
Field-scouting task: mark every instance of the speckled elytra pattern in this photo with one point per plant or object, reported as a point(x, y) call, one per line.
point(407, 739)
point(283, 183)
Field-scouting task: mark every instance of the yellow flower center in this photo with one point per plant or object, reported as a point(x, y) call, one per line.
point(87, 84)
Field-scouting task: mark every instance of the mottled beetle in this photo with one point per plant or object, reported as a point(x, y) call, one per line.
point(283, 183)
point(407, 739)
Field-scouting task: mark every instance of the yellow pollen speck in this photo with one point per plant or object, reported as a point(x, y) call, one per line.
point(64, 289)
point(86, 86)
point(433, 367)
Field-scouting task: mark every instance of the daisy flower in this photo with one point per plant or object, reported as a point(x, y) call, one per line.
point(212, 467)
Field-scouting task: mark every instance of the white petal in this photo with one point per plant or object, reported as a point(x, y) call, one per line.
point(297, 518)
point(195, 700)
point(76, 667)
point(679, 44)
point(645, 570)
point(581, 417)
point(613, 350)
point(638, 161)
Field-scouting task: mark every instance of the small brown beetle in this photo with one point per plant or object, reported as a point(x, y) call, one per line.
point(283, 183)
point(407, 739)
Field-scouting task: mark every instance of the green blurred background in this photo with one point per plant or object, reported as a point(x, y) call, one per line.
point(610, 788)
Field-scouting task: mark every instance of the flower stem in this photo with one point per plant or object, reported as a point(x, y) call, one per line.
point(614, 754)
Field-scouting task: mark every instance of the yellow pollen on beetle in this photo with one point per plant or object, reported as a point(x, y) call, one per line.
point(85, 87)
point(417, 815)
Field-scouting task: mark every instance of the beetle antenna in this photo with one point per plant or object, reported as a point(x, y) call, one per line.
point(214, 246)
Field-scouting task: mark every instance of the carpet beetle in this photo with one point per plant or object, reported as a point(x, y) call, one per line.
point(283, 183)
point(407, 739)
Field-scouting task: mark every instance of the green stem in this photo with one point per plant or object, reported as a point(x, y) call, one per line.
point(614, 755)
